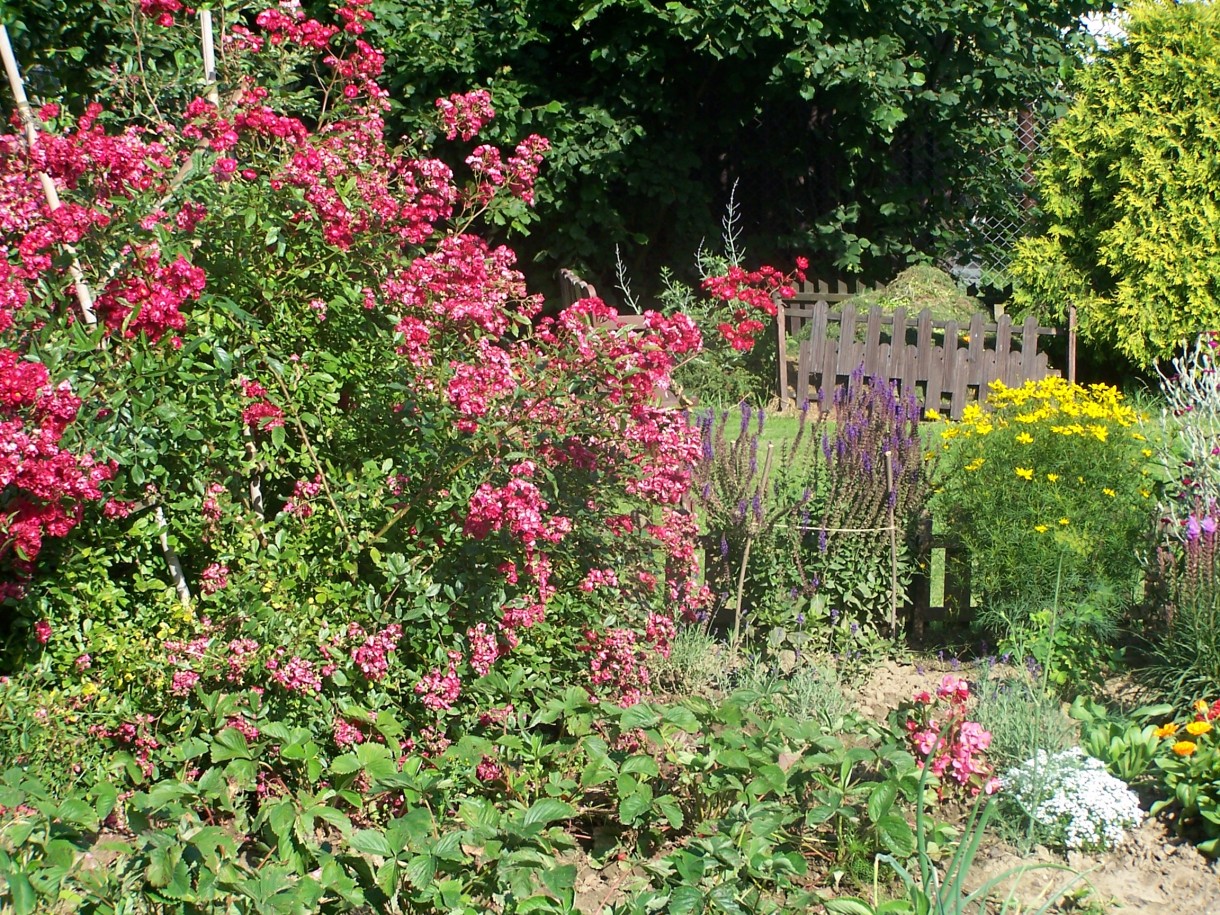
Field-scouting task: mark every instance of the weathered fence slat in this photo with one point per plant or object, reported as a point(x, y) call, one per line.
point(942, 361)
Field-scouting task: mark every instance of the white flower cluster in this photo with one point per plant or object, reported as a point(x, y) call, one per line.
point(1072, 796)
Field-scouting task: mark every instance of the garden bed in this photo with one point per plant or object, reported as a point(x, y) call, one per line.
point(1153, 870)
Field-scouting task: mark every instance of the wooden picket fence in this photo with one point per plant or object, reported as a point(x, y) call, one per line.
point(572, 288)
point(938, 360)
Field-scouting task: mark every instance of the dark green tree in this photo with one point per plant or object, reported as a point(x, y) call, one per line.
point(863, 134)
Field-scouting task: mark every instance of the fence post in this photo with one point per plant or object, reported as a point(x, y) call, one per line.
point(957, 579)
point(921, 581)
point(781, 352)
point(1071, 344)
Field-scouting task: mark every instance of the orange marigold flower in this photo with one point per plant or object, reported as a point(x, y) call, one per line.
point(1198, 728)
point(1184, 747)
point(1166, 730)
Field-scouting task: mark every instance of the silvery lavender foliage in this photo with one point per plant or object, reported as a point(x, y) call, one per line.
point(1191, 421)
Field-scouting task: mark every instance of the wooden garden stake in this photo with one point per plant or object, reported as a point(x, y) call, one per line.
point(209, 57)
point(83, 295)
point(745, 553)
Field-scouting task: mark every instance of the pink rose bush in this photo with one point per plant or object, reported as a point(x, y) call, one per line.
point(289, 430)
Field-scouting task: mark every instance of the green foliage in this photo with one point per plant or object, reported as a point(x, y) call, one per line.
point(804, 690)
point(736, 798)
point(862, 140)
point(1131, 189)
point(1046, 486)
point(1126, 743)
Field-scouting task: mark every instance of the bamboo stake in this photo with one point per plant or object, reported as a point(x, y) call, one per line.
point(209, 57)
point(83, 295)
point(745, 554)
point(889, 479)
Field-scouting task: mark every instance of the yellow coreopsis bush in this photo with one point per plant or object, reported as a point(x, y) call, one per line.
point(1045, 483)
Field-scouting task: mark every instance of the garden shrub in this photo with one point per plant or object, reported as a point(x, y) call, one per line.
point(804, 526)
point(312, 455)
point(1183, 643)
point(1130, 187)
point(737, 363)
point(1047, 487)
point(1189, 763)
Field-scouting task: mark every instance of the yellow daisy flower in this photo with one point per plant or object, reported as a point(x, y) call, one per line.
point(1053, 477)
point(1198, 728)
point(1041, 528)
point(1064, 521)
point(1025, 473)
point(1025, 438)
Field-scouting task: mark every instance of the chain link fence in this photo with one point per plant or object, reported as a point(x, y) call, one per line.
point(991, 235)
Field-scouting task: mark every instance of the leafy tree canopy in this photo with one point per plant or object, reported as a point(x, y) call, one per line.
point(863, 134)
